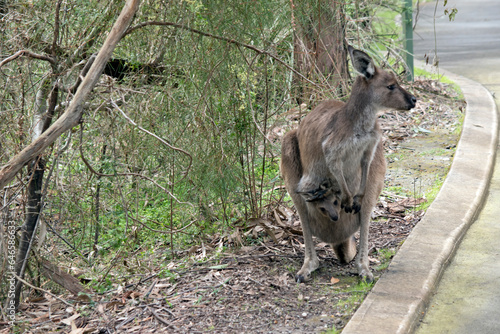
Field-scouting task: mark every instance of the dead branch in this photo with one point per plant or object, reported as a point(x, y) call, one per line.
point(27, 53)
point(56, 27)
point(57, 275)
point(41, 290)
point(160, 319)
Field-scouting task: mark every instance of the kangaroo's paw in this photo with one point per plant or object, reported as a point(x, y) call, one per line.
point(347, 204)
point(356, 205)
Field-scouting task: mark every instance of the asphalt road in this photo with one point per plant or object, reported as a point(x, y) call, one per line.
point(468, 296)
point(469, 45)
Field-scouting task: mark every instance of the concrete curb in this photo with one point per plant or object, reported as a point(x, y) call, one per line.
point(399, 298)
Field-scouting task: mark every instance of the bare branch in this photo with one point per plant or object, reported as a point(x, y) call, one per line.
point(157, 137)
point(86, 67)
point(56, 27)
point(229, 40)
point(160, 319)
point(161, 231)
point(27, 53)
point(42, 290)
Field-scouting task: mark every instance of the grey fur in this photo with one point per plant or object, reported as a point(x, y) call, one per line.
point(338, 146)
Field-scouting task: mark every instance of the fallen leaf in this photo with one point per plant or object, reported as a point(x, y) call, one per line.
point(396, 208)
point(334, 280)
point(77, 331)
point(412, 202)
point(84, 298)
point(71, 320)
point(236, 237)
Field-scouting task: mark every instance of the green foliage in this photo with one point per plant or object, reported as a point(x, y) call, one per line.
point(165, 273)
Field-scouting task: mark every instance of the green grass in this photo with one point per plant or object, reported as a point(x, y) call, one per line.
point(388, 18)
point(442, 78)
point(358, 293)
point(431, 194)
point(385, 257)
point(396, 190)
point(441, 152)
point(458, 129)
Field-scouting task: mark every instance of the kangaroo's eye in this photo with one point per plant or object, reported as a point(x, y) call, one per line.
point(336, 202)
point(391, 87)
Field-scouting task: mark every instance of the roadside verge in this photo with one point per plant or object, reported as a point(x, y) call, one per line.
point(400, 296)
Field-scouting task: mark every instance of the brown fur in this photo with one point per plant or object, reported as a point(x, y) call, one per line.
point(339, 144)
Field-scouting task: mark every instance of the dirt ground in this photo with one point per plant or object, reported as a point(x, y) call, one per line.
point(230, 286)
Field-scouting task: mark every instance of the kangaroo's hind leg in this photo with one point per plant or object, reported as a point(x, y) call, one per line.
point(311, 261)
point(346, 250)
point(291, 170)
point(375, 183)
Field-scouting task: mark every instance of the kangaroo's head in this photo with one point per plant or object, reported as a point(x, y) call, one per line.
point(325, 200)
point(376, 86)
point(329, 207)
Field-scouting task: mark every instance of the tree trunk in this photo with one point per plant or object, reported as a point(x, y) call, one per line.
point(32, 213)
point(97, 204)
point(320, 48)
point(34, 193)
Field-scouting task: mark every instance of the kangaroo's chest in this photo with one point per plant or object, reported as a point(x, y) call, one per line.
point(354, 146)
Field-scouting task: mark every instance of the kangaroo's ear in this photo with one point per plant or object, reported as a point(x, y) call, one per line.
point(325, 185)
point(362, 62)
point(312, 195)
point(307, 196)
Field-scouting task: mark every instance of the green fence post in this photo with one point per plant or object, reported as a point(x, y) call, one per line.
point(408, 36)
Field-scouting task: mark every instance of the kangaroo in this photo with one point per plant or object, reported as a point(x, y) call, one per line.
point(325, 199)
point(340, 142)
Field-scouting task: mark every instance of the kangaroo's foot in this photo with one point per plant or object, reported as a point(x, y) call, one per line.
point(364, 272)
point(304, 274)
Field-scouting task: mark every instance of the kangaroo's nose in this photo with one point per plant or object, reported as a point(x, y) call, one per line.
point(413, 101)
